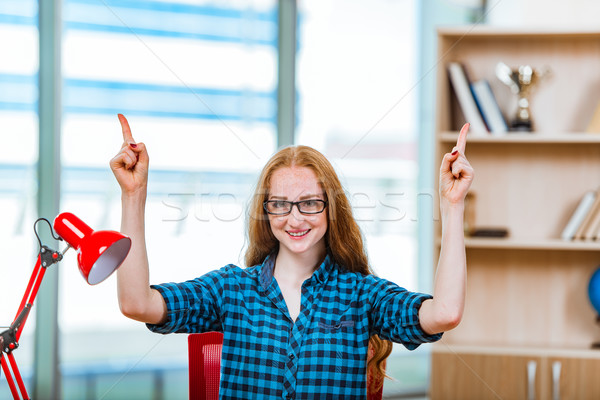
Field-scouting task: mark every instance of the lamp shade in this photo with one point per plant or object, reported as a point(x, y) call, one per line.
point(99, 253)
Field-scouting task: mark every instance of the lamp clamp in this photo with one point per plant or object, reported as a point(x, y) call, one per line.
point(49, 256)
point(9, 338)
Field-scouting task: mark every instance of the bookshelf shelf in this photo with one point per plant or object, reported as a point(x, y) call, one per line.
point(527, 138)
point(555, 351)
point(528, 244)
point(512, 33)
point(526, 294)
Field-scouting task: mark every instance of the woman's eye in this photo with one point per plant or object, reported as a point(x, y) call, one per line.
point(310, 203)
point(279, 204)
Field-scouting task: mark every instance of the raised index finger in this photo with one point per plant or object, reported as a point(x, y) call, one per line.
point(127, 137)
point(461, 143)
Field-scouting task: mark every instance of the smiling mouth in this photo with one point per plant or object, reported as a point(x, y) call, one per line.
point(298, 234)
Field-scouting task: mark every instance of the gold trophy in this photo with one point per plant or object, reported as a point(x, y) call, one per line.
point(521, 82)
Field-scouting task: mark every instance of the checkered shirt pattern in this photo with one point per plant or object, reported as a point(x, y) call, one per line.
point(266, 355)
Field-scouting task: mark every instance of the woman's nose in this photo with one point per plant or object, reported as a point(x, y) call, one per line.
point(296, 214)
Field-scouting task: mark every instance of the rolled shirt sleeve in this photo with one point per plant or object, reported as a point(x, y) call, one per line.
point(395, 314)
point(192, 306)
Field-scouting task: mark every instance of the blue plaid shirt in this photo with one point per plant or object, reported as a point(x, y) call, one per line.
point(266, 355)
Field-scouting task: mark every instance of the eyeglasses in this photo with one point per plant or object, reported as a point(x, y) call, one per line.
point(282, 207)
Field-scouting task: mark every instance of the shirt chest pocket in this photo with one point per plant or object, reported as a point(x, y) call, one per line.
point(335, 332)
point(337, 340)
point(335, 326)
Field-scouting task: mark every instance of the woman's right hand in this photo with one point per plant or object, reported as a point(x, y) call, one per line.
point(130, 165)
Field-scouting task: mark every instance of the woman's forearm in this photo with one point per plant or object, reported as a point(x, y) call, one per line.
point(136, 299)
point(445, 310)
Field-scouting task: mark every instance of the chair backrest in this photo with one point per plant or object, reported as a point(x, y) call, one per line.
point(204, 353)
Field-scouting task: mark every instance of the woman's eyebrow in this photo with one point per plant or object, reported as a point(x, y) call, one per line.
point(304, 197)
point(311, 196)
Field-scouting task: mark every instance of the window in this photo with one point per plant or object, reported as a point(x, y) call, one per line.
point(19, 133)
point(198, 85)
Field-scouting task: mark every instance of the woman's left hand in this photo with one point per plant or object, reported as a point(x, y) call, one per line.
point(456, 174)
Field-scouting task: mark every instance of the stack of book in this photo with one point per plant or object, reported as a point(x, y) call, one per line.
point(584, 224)
point(477, 102)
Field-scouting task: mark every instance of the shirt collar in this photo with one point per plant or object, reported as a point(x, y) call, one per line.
point(322, 272)
point(265, 272)
point(320, 275)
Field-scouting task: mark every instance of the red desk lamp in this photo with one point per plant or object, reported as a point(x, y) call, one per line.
point(99, 254)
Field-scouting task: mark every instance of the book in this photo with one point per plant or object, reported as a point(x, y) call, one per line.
point(594, 227)
point(488, 107)
point(462, 89)
point(584, 206)
point(594, 125)
point(585, 228)
point(593, 231)
point(596, 235)
point(490, 232)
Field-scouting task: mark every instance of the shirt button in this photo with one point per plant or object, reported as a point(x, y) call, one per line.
point(292, 356)
point(290, 396)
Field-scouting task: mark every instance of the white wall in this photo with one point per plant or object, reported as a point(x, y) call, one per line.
point(582, 14)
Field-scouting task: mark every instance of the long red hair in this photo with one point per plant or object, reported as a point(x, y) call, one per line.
point(343, 238)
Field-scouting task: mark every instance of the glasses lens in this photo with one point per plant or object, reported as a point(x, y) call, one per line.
point(311, 206)
point(278, 207)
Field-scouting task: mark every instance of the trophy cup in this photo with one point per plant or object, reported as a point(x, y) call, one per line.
point(521, 82)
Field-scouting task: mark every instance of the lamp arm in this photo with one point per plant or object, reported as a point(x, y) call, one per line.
point(11, 335)
point(46, 257)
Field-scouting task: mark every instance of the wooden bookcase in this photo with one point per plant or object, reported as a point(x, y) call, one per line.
point(527, 294)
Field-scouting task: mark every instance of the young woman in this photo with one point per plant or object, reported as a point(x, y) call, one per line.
point(297, 322)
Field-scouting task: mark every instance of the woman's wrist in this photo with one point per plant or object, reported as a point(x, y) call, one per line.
point(447, 207)
point(134, 197)
point(133, 205)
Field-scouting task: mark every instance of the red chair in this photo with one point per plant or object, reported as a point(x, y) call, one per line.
point(204, 353)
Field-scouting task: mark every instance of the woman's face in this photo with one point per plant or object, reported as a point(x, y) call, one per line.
point(298, 233)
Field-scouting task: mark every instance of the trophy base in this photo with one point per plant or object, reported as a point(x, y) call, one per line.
point(521, 126)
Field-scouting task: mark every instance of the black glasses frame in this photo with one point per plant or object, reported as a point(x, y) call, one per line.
point(292, 204)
